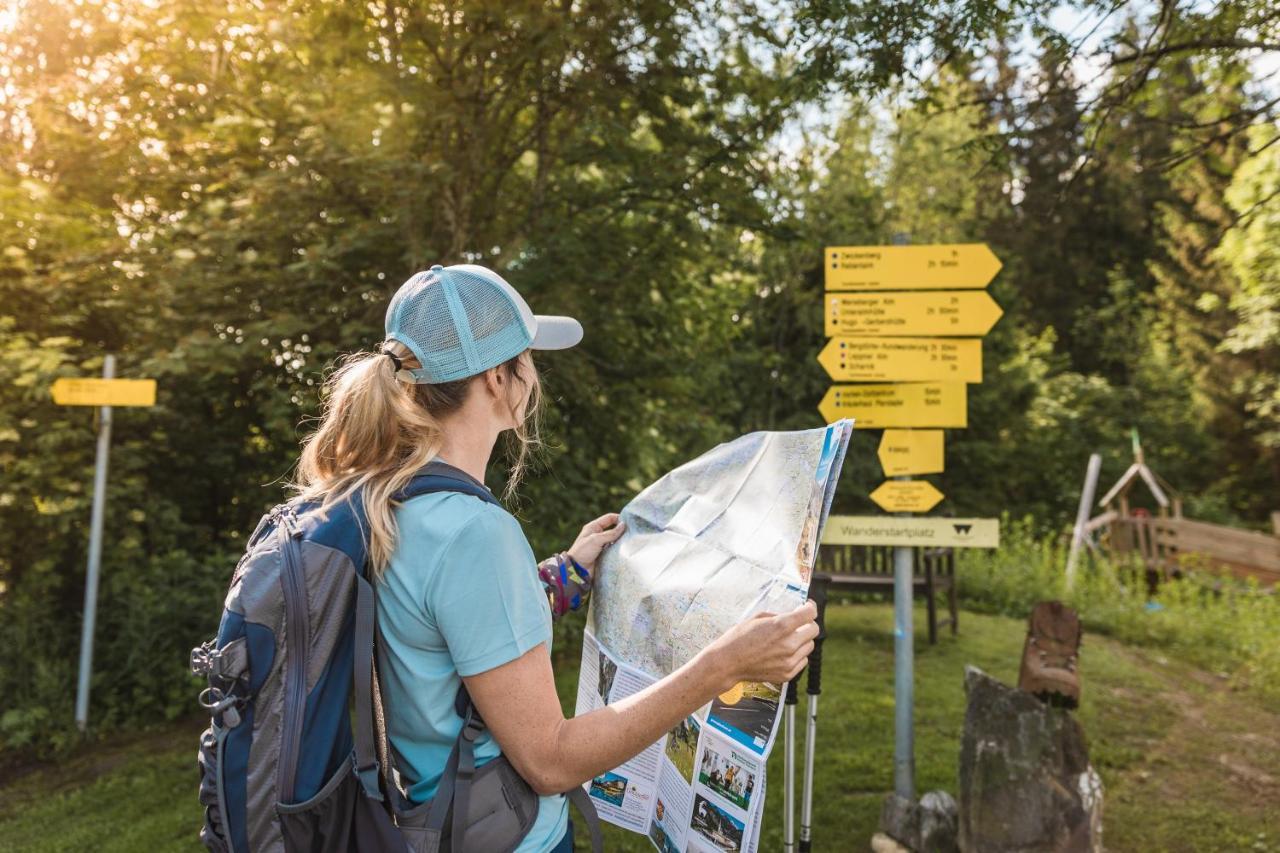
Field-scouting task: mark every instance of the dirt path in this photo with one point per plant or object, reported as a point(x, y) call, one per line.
point(1190, 746)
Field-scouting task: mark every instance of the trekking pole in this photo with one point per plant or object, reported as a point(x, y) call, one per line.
point(789, 769)
point(818, 592)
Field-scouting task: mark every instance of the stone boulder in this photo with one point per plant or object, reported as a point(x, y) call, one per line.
point(1026, 785)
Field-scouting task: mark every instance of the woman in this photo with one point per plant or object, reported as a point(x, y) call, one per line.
point(460, 601)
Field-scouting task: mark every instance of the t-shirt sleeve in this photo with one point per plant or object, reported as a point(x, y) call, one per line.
point(486, 599)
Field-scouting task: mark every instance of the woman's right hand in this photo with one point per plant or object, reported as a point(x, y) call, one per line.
point(767, 647)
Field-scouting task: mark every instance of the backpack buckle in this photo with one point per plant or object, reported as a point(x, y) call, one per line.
point(369, 780)
point(202, 658)
point(472, 728)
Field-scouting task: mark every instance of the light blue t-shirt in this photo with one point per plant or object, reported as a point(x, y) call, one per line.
point(460, 596)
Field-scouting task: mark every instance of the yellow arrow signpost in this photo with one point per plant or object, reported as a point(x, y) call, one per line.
point(903, 359)
point(915, 404)
point(935, 267)
point(911, 451)
point(946, 312)
point(105, 392)
point(911, 316)
point(906, 496)
point(908, 315)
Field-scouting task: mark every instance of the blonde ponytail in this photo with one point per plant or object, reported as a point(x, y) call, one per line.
point(376, 432)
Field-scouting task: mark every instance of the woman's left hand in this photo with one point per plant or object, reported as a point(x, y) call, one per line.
point(595, 537)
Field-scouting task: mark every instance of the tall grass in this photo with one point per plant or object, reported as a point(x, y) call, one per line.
point(1224, 625)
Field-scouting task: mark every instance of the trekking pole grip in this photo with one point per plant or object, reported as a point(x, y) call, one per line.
point(818, 593)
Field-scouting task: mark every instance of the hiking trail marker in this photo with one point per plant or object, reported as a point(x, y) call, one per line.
point(903, 359)
point(912, 404)
point(911, 451)
point(906, 496)
point(935, 267)
point(105, 392)
point(930, 532)
point(942, 312)
point(911, 315)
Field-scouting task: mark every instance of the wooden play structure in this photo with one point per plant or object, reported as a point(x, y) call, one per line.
point(1166, 542)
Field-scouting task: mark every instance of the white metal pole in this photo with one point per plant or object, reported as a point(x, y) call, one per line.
point(1082, 514)
point(95, 552)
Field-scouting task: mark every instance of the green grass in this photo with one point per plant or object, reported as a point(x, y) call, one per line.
point(1190, 761)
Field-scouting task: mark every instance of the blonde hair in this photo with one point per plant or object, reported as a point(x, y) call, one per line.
point(376, 432)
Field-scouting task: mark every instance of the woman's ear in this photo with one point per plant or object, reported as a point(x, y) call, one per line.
point(494, 382)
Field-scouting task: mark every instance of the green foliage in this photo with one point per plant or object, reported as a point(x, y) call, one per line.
point(225, 195)
point(1227, 627)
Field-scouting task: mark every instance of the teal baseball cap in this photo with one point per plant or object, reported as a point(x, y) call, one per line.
point(463, 319)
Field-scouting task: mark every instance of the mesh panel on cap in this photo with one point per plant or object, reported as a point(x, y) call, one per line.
point(421, 313)
point(497, 329)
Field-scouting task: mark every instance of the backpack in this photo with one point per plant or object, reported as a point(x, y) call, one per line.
point(281, 766)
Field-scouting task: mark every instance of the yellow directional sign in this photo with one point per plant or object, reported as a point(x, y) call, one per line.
point(906, 496)
point(937, 532)
point(937, 267)
point(911, 451)
point(915, 404)
point(104, 392)
point(947, 312)
point(903, 359)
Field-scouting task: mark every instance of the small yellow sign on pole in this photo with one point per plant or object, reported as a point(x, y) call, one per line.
point(930, 267)
point(906, 496)
point(916, 404)
point(948, 312)
point(104, 392)
point(911, 451)
point(903, 359)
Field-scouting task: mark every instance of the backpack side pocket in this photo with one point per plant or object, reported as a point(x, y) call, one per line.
point(214, 832)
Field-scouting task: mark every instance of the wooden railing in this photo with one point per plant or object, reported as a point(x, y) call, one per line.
point(1166, 544)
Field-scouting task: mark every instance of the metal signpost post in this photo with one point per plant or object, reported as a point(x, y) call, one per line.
point(104, 393)
point(95, 551)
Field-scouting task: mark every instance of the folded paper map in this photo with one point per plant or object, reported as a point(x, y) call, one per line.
point(731, 533)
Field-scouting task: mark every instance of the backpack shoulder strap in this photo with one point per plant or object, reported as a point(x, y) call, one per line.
point(436, 476)
point(433, 478)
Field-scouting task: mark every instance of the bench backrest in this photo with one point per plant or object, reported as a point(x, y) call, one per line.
point(877, 560)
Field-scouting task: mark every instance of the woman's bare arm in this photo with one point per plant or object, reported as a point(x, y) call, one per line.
point(519, 704)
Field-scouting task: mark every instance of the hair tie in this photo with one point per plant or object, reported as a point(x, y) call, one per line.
point(395, 359)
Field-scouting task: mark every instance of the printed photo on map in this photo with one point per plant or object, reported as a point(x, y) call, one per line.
point(658, 835)
point(608, 671)
point(726, 777)
point(748, 720)
point(609, 787)
point(682, 743)
point(716, 826)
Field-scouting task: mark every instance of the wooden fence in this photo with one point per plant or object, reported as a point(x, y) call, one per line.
point(1167, 544)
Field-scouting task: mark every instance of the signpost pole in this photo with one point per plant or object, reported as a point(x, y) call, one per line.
point(95, 551)
point(904, 756)
point(904, 764)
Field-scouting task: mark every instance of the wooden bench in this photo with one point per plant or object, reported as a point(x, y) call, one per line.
point(861, 568)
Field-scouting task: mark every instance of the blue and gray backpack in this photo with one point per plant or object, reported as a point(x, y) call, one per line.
point(283, 768)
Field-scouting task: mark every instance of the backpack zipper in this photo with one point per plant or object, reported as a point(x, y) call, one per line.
point(297, 639)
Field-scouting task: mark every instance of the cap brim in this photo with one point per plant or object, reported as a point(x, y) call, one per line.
point(556, 332)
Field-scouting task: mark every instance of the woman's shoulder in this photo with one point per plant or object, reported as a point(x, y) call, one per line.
point(452, 519)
